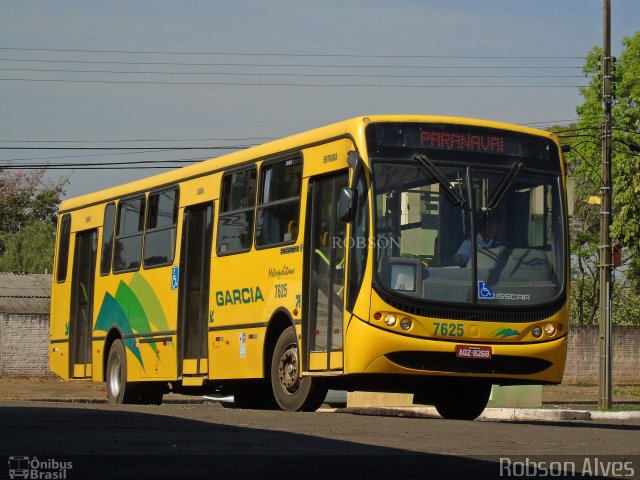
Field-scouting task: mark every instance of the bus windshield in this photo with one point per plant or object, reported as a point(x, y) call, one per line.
point(463, 230)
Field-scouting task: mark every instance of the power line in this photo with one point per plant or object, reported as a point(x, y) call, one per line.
point(127, 152)
point(172, 163)
point(551, 122)
point(142, 140)
point(236, 74)
point(287, 54)
point(293, 65)
point(82, 165)
point(162, 149)
point(279, 84)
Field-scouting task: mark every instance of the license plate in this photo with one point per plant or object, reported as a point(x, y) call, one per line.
point(473, 351)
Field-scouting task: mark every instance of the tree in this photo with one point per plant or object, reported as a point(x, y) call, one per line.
point(28, 206)
point(30, 250)
point(584, 165)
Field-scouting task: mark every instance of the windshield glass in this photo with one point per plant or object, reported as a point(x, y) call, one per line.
point(496, 240)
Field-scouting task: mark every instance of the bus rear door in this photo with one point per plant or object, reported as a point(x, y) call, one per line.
point(193, 303)
point(81, 314)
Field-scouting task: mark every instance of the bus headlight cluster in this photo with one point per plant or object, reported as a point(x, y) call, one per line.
point(549, 330)
point(392, 320)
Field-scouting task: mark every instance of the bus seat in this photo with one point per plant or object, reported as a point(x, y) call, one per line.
point(324, 239)
point(292, 231)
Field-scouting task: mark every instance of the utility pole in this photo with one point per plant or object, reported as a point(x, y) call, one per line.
point(605, 267)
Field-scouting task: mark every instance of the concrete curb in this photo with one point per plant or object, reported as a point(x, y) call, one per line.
point(615, 415)
point(512, 414)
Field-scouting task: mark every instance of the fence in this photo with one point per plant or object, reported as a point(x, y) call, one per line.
point(583, 356)
point(24, 344)
point(24, 350)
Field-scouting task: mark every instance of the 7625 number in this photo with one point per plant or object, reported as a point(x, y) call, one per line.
point(444, 329)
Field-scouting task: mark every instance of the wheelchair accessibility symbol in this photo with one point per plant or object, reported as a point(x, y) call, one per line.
point(484, 292)
point(175, 278)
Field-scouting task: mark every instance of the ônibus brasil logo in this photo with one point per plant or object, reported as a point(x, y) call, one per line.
point(35, 468)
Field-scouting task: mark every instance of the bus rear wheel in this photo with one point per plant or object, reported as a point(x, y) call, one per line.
point(292, 391)
point(462, 399)
point(118, 389)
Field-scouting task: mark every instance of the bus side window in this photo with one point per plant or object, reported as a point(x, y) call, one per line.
point(235, 220)
point(130, 224)
point(279, 202)
point(108, 230)
point(63, 247)
point(160, 234)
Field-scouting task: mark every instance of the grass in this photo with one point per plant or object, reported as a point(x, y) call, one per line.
point(622, 408)
point(631, 391)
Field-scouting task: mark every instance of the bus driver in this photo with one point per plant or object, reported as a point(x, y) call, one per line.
point(486, 238)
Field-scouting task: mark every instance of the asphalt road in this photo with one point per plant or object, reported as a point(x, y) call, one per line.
point(208, 441)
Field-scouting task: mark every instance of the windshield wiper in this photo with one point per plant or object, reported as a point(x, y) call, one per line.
point(433, 171)
point(505, 183)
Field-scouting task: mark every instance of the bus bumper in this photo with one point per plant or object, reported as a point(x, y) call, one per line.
point(385, 352)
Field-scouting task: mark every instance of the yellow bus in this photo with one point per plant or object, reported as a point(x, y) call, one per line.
point(397, 253)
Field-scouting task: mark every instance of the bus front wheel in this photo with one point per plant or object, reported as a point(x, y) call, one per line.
point(462, 399)
point(292, 391)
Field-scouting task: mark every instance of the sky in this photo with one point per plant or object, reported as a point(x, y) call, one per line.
point(221, 73)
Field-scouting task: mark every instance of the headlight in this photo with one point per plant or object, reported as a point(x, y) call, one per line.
point(549, 329)
point(536, 332)
point(390, 320)
point(406, 323)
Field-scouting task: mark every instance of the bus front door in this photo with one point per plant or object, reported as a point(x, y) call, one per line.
point(193, 304)
point(324, 280)
point(81, 314)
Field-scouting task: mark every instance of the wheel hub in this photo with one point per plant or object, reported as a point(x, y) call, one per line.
point(288, 370)
point(114, 377)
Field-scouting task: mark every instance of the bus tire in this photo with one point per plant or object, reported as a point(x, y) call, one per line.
point(292, 391)
point(463, 399)
point(119, 391)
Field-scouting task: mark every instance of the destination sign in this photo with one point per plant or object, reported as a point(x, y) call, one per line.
point(460, 141)
point(402, 140)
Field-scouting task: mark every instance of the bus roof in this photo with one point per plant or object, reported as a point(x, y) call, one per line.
point(353, 127)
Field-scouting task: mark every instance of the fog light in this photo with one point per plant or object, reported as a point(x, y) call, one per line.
point(390, 320)
point(406, 323)
point(549, 329)
point(536, 332)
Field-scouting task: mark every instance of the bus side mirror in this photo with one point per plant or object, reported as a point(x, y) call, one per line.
point(347, 205)
point(354, 160)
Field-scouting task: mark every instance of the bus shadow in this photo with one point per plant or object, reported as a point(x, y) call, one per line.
point(106, 443)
